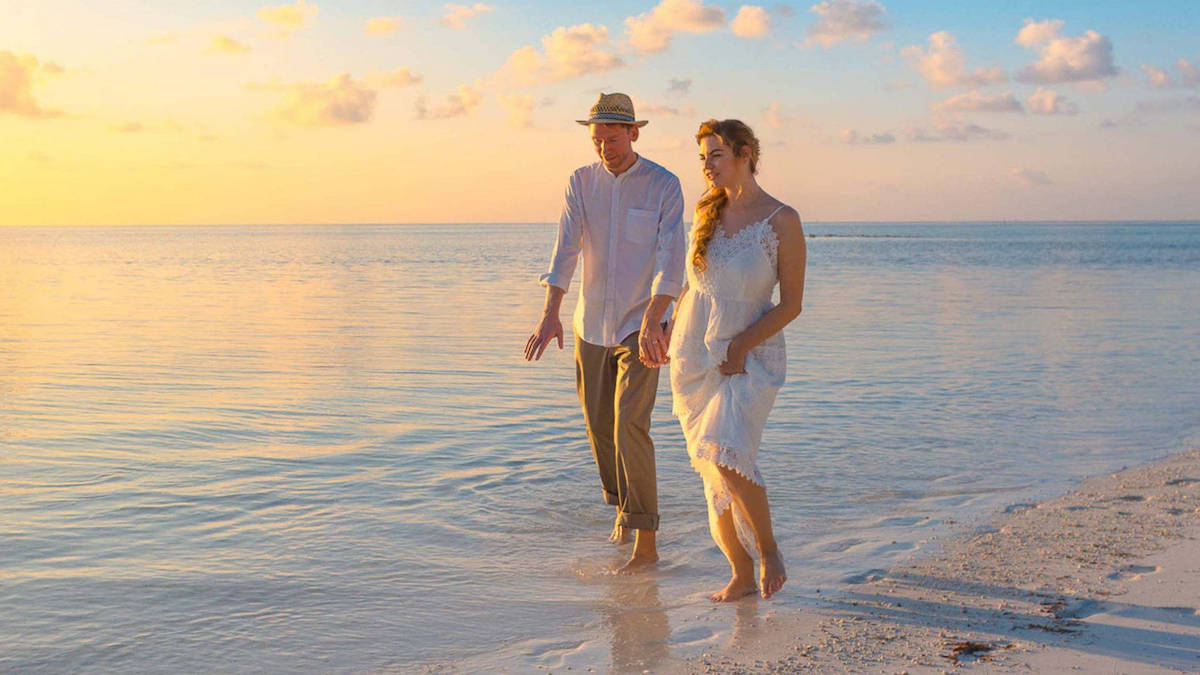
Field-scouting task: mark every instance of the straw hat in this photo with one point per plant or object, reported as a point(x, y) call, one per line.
point(613, 109)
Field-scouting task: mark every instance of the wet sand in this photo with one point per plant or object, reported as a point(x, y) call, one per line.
point(1103, 579)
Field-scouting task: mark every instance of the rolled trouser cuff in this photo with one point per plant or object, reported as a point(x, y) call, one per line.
point(639, 521)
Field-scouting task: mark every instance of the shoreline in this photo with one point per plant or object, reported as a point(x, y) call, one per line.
point(1103, 578)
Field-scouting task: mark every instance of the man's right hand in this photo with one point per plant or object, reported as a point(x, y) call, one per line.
point(547, 329)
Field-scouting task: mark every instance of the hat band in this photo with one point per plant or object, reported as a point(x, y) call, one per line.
point(613, 116)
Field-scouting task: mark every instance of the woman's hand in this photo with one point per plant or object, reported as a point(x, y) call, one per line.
point(735, 360)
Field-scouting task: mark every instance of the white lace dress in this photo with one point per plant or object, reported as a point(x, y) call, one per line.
point(723, 415)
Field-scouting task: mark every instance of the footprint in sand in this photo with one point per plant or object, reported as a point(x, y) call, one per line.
point(1182, 481)
point(843, 545)
point(1081, 609)
point(1134, 572)
point(864, 577)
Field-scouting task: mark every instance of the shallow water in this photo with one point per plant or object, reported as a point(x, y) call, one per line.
point(318, 448)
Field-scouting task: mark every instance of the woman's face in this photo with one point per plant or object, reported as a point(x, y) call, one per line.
point(721, 167)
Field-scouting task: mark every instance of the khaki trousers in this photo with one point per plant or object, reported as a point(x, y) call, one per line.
point(617, 394)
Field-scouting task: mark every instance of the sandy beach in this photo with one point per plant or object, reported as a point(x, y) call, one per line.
point(1103, 579)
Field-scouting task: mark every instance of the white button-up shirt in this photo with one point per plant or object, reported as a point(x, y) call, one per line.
point(629, 231)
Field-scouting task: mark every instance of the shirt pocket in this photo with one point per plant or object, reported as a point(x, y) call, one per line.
point(641, 226)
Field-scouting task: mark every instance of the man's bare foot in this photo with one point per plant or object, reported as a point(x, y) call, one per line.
point(737, 588)
point(773, 574)
point(620, 535)
point(637, 563)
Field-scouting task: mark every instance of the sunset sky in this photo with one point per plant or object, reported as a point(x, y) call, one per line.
point(221, 112)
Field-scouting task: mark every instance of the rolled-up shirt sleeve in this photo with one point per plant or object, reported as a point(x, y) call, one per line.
point(569, 240)
point(669, 270)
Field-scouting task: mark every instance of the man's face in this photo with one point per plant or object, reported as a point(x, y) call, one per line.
point(614, 144)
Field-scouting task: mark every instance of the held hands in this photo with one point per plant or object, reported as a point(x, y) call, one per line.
point(547, 329)
point(652, 344)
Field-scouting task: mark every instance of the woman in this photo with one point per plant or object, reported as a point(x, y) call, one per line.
point(726, 349)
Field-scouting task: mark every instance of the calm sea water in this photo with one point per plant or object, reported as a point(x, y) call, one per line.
point(319, 448)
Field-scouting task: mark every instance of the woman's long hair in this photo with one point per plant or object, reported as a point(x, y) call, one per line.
point(736, 135)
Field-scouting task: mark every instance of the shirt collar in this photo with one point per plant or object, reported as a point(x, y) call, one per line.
point(637, 161)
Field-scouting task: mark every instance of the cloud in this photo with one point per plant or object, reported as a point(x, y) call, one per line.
point(1189, 75)
point(17, 74)
point(681, 87)
point(222, 44)
point(1159, 79)
point(566, 52)
point(288, 18)
point(775, 116)
point(843, 20)
point(974, 101)
point(456, 15)
point(1035, 33)
point(341, 100)
point(944, 64)
point(401, 77)
point(520, 109)
point(383, 25)
point(852, 137)
point(1031, 176)
point(1065, 59)
point(1186, 103)
point(651, 32)
point(948, 131)
point(460, 103)
point(652, 110)
point(751, 23)
point(1047, 102)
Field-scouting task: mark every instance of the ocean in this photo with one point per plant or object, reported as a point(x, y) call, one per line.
point(318, 448)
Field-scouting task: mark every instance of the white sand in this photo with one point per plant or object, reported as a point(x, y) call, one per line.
point(1105, 579)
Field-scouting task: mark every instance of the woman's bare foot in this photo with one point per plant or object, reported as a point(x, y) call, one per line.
point(620, 535)
point(737, 588)
point(637, 563)
point(773, 574)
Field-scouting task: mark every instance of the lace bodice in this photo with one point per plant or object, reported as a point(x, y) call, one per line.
point(742, 266)
point(761, 233)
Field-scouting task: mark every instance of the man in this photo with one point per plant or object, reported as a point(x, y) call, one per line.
point(623, 215)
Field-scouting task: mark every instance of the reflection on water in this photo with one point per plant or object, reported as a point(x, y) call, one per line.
point(637, 621)
point(318, 448)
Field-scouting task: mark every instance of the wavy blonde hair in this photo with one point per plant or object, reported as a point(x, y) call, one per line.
point(737, 136)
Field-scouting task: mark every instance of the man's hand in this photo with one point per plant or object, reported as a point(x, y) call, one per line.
point(652, 345)
point(547, 329)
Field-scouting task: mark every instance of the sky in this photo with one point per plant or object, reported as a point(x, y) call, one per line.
point(367, 111)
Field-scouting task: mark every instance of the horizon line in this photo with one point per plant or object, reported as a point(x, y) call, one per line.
point(1070, 221)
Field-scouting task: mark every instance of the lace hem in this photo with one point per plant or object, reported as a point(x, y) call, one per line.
point(724, 455)
point(708, 457)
